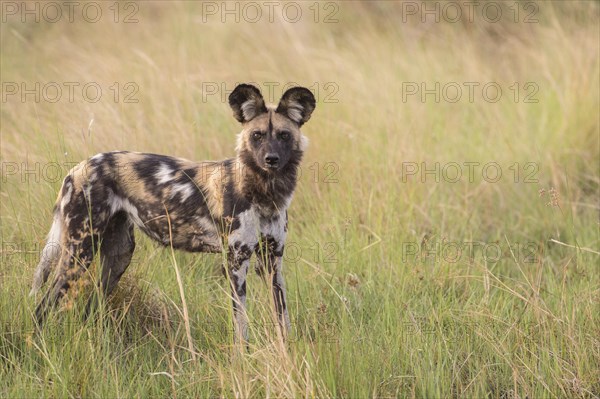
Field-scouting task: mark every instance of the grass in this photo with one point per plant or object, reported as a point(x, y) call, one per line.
point(383, 303)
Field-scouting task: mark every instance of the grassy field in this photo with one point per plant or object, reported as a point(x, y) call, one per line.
point(443, 239)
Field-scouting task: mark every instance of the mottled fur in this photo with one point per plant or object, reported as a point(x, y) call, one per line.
point(237, 206)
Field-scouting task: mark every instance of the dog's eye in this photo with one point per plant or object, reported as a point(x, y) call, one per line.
point(285, 136)
point(257, 135)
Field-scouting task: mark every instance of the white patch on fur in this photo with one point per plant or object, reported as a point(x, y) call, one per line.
point(164, 174)
point(247, 233)
point(97, 157)
point(122, 204)
point(185, 189)
point(67, 197)
point(50, 253)
point(87, 191)
point(205, 225)
point(275, 229)
point(239, 141)
point(294, 111)
point(249, 109)
point(117, 203)
point(303, 142)
point(132, 212)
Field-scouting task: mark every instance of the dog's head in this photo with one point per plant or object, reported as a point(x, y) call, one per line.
point(271, 139)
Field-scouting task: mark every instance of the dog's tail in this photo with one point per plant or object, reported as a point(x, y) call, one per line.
point(50, 253)
point(54, 242)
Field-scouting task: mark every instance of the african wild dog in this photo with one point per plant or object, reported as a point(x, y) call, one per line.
point(237, 206)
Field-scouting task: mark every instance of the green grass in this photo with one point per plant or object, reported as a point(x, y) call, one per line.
point(380, 305)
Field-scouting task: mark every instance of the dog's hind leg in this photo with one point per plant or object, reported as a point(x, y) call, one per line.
point(116, 251)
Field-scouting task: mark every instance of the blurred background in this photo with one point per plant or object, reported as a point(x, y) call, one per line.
point(439, 125)
point(397, 84)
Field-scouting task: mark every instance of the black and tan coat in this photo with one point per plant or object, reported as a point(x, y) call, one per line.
point(237, 206)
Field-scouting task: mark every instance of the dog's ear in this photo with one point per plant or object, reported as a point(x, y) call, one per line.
point(297, 104)
point(246, 103)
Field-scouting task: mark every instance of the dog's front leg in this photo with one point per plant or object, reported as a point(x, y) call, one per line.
point(238, 262)
point(270, 267)
point(279, 295)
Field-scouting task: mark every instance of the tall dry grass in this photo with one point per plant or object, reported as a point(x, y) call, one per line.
point(378, 308)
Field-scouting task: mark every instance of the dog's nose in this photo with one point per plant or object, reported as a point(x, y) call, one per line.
point(272, 159)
